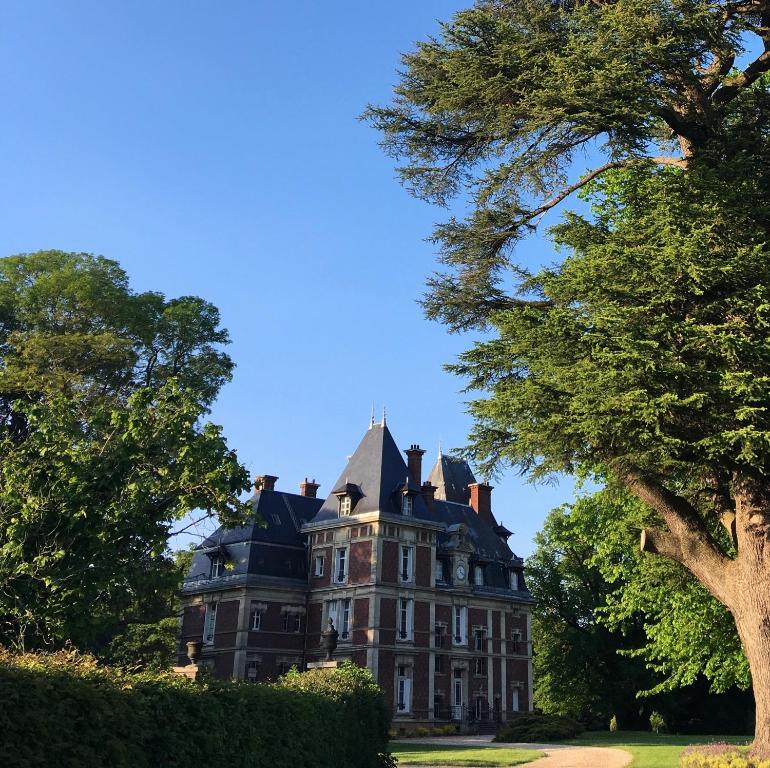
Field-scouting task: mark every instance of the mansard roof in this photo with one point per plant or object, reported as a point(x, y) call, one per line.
point(269, 549)
point(451, 476)
point(379, 472)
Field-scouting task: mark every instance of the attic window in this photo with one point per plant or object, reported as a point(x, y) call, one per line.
point(407, 505)
point(217, 568)
point(346, 505)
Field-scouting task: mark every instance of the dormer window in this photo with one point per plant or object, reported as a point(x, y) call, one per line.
point(478, 576)
point(346, 505)
point(407, 505)
point(217, 567)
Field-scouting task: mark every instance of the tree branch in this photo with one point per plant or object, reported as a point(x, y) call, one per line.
point(688, 540)
point(730, 87)
point(679, 162)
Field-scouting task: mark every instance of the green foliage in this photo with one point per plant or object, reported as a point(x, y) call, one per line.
point(537, 727)
point(102, 394)
point(498, 108)
point(64, 710)
point(657, 723)
point(598, 597)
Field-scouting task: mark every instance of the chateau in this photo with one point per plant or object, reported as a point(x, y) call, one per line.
point(416, 577)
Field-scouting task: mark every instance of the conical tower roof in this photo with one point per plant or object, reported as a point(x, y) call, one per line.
point(376, 473)
point(451, 476)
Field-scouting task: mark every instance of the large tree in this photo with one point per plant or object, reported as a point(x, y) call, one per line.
point(646, 349)
point(610, 622)
point(102, 446)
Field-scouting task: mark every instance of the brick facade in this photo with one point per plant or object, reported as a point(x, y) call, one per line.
point(399, 587)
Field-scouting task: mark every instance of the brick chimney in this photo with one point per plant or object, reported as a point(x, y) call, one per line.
point(414, 462)
point(309, 488)
point(264, 482)
point(481, 501)
point(428, 492)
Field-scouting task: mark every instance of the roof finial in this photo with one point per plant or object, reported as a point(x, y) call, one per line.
point(371, 421)
point(439, 448)
point(384, 416)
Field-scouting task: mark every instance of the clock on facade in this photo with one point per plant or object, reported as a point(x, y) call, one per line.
point(460, 572)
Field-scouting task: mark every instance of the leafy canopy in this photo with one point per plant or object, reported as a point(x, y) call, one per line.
point(102, 447)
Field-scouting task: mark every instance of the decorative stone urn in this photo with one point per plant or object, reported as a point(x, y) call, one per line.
point(329, 640)
point(194, 650)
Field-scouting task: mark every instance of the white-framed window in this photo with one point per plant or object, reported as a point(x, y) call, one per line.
point(457, 694)
point(217, 567)
point(405, 618)
point(514, 699)
point(479, 636)
point(439, 570)
point(210, 623)
point(460, 625)
point(515, 580)
point(344, 628)
point(438, 663)
point(478, 576)
point(407, 563)
point(255, 615)
point(291, 621)
point(341, 565)
point(407, 505)
point(346, 505)
point(480, 666)
point(439, 631)
point(403, 689)
point(252, 670)
point(319, 565)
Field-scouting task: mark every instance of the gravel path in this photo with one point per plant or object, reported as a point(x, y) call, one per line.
point(557, 755)
point(582, 757)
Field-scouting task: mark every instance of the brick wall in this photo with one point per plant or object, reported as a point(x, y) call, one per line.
point(422, 571)
point(387, 620)
point(422, 629)
point(227, 624)
point(385, 672)
point(360, 562)
point(389, 573)
point(420, 675)
point(223, 663)
point(360, 621)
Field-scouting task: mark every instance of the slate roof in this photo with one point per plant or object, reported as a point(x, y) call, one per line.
point(451, 476)
point(379, 470)
point(275, 550)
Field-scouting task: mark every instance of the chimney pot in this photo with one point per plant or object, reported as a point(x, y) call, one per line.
point(481, 501)
point(265, 482)
point(309, 488)
point(414, 462)
point(428, 492)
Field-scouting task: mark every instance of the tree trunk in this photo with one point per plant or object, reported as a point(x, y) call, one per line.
point(749, 599)
point(753, 622)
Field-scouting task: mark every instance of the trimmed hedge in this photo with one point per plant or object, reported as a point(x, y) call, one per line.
point(537, 727)
point(722, 756)
point(64, 711)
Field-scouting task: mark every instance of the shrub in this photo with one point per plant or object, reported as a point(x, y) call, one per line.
point(657, 723)
point(537, 727)
point(614, 724)
point(422, 731)
point(64, 711)
point(722, 756)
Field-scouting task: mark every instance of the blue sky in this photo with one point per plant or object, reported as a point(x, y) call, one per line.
point(214, 149)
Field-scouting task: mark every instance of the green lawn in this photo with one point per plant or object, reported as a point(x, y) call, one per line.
point(444, 754)
point(650, 750)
